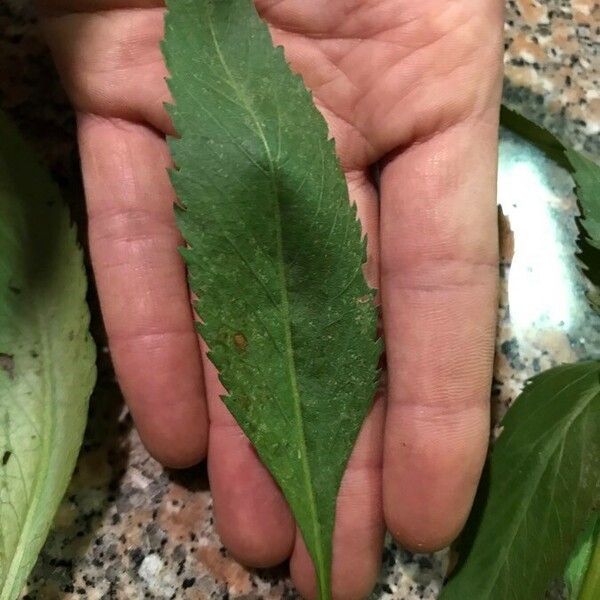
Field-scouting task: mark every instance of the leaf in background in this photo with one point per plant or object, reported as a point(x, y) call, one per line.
point(580, 561)
point(275, 255)
point(586, 175)
point(590, 586)
point(540, 489)
point(46, 356)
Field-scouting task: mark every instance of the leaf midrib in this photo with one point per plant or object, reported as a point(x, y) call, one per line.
point(584, 404)
point(46, 433)
point(289, 348)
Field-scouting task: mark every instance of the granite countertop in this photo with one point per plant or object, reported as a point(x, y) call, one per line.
point(129, 529)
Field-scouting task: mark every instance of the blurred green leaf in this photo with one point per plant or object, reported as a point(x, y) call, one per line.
point(540, 488)
point(580, 560)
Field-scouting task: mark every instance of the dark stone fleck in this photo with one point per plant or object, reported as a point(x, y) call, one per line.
point(137, 556)
point(188, 583)
point(509, 349)
point(61, 562)
point(179, 553)
point(112, 574)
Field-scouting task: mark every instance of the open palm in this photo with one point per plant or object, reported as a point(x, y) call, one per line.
point(409, 86)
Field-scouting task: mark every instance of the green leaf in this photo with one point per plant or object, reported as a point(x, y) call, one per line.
point(540, 489)
point(590, 586)
point(275, 255)
point(46, 357)
point(580, 561)
point(586, 175)
point(542, 138)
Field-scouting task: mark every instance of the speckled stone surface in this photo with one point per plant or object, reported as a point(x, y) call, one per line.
point(552, 66)
point(127, 528)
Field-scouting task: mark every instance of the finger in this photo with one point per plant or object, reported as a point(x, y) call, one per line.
point(142, 286)
point(251, 514)
point(111, 64)
point(438, 280)
point(359, 528)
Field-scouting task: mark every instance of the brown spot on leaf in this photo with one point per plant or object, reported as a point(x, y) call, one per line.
point(240, 341)
point(7, 364)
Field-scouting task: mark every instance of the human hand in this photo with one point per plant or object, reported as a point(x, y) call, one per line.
point(410, 85)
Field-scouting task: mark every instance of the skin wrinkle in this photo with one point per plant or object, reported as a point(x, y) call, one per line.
point(128, 217)
point(331, 28)
point(127, 53)
point(362, 117)
point(100, 82)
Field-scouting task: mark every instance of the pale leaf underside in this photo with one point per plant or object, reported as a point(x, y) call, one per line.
point(46, 357)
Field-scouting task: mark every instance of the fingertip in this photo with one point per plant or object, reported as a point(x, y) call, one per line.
point(302, 571)
point(162, 382)
point(430, 480)
point(255, 553)
point(179, 452)
point(252, 517)
point(414, 537)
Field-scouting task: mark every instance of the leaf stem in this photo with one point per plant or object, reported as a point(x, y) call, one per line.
point(590, 588)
